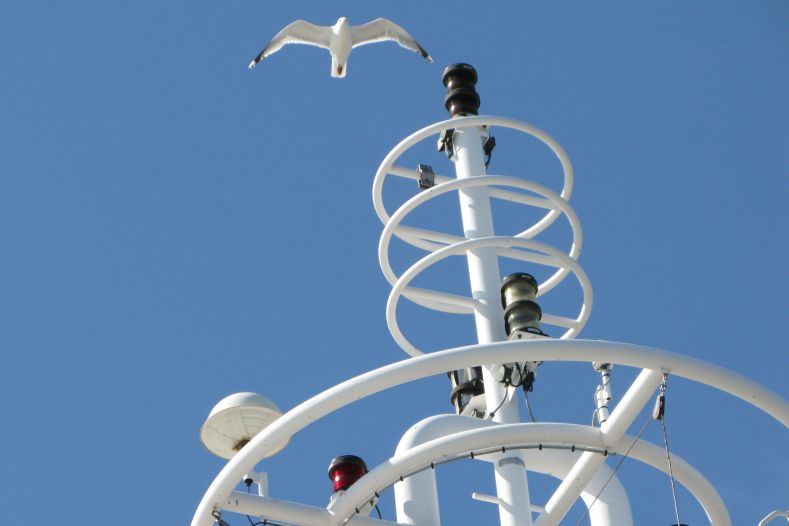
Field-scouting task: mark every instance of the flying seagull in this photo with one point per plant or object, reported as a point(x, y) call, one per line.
point(339, 39)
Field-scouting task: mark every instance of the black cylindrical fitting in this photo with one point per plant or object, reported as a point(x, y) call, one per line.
point(462, 98)
point(466, 384)
point(523, 315)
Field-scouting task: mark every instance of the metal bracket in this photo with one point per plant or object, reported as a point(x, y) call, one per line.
point(445, 142)
point(488, 143)
point(260, 478)
point(427, 178)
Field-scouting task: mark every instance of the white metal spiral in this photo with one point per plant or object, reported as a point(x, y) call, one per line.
point(440, 245)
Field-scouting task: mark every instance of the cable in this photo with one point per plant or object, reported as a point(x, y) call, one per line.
point(506, 391)
point(528, 406)
point(248, 483)
point(619, 464)
point(670, 471)
point(379, 512)
point(662, 418)
point(264, 522)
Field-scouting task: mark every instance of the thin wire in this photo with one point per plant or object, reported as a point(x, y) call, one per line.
point(506, 391)
point(670, 470)
point(528, 406)
point(619, 464)
point(264, 522)
point(379, 511)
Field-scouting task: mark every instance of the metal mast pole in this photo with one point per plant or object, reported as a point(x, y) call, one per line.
point(465, 147)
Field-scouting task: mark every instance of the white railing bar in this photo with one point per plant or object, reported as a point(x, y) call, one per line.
point(428, 235)
point(559, 321)
point(613, 429)
point(444, 298)
point(497, 193)
point(291, 512)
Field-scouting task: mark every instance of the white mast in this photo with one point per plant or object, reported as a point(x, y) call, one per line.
point(247, 428)
point(485, 280)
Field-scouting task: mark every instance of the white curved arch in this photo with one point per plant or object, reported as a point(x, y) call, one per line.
point(560, 204)
point(611, 507)
point(502, 352)
point(554, 258)
point(458, 445)
point(478, 120)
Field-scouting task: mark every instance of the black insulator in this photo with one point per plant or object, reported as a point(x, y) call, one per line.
point(462, 98)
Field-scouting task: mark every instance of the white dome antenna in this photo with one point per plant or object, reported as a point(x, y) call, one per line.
point(235, 420)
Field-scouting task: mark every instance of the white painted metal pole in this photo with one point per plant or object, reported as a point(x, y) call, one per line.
point(613, 430)
point(483, 267)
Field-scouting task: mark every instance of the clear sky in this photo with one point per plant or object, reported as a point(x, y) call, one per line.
point(176, 228)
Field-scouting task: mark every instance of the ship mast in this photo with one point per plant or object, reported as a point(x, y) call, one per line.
point(467, 153)
point(512, 340)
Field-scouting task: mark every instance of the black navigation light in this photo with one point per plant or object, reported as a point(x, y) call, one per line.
point(521, 311)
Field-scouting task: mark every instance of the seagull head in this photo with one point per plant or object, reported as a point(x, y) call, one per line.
point(342, 20)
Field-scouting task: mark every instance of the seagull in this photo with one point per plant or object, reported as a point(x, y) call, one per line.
point(339, 39)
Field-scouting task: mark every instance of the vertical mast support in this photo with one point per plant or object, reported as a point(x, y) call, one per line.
point(483, 267)
point(614, 428)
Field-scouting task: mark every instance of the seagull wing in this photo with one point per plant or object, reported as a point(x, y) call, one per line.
point(382, 29)
point(298, 32)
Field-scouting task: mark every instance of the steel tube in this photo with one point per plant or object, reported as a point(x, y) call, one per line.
point(290, 512)
point(448, 437)
point(613, 430)
point(485, 279)
point(496, 193)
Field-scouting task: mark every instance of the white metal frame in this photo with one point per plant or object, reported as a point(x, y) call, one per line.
point(575, 454)
point(218, 495)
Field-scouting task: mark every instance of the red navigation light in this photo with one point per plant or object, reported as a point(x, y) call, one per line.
point(345, 470)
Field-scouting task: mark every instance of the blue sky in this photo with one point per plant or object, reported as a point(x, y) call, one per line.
point(177, 228)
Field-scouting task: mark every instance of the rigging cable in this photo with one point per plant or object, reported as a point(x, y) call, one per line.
point(660, 408)
point(618, 465)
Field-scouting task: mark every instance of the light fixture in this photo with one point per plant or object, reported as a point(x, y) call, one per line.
point(345, 470)
point(235, 420)
point(521, 311)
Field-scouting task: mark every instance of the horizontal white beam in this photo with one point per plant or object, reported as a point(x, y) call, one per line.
point(290, 512)
point(505, 195)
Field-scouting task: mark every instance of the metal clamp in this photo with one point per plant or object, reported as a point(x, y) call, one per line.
point(445, 142)
point(427, 178)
